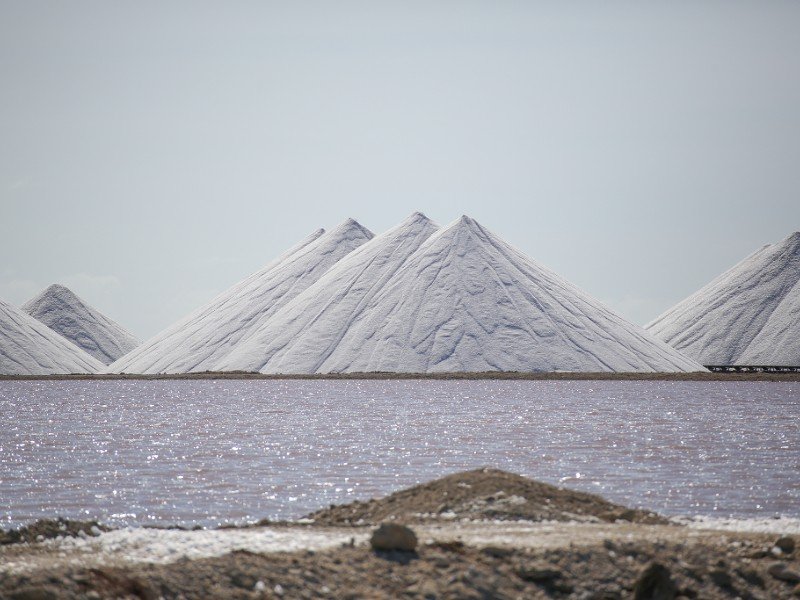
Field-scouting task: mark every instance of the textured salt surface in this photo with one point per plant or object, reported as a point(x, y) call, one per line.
point(154, 545)
point(749, 315)
point(466, 301)
point(783, 525)
point(160, 546)
point(301, 336)
point(412, 300)
point(29, 347)
point(69, 316)
point(199, 341)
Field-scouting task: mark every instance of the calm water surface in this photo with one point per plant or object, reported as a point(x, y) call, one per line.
point(189, 452)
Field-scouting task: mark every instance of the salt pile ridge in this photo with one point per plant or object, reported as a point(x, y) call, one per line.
point(69, 316)
point(457, 299)
point(199, 341)
point(467, 302)
point(749, 315)
point(301, 336)
point(29, 347)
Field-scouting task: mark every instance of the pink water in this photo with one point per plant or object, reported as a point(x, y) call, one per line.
point(207, 452)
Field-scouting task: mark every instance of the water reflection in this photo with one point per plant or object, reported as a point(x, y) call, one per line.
point(209, 451)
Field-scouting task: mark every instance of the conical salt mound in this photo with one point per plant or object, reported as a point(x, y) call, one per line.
point(29, 347)
point(201, 340)
point(749, 315)
point(69, 316)
point(300, 337)
point(467, 302)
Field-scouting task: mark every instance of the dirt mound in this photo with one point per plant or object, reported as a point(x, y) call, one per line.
point(46, 529)
point(483, 494)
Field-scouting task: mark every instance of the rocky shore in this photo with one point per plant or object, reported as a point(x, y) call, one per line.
point(479, 534)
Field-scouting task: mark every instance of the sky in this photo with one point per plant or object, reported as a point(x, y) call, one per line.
point(154, 153)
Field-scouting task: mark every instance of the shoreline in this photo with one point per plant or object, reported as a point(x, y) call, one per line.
point(472, 535)
point(493, 375)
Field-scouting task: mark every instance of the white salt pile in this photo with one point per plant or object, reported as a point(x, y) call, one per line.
point(301, 336)
point(205, 337)
point(417, 299)
point(28, 347)
point(72, 318)
point(749, 315)
point(466, 301)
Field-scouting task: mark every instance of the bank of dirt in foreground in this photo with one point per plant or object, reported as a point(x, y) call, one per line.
point(475, 535)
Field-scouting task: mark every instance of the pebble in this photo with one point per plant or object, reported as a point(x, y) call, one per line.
point(497, 551)
point(782, 572)
point(785, 543)
point(538, 573)
point(722, 578)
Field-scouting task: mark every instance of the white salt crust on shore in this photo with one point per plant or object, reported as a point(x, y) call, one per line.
point(161, 546)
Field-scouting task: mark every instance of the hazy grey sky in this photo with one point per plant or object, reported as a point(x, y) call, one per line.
point(154, 153)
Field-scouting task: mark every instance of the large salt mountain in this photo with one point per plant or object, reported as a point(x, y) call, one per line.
point(749, 315)
point(300, 337)
point(69, 316)
point(462, 301)
point(204, 338)
point(29, 347)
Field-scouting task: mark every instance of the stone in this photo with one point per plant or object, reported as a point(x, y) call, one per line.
point(722, 578)
point(782, 572)
point(655, 583)
point(392, 536)
point(786, 544)
point(428, 589)
point(538, 573)
point(497, 551)
point(33, 593)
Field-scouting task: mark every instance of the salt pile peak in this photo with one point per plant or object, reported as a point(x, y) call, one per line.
point(749, 315)
point(301, 336)
point(29, 347)
point(69, 316)
point(465, 301)
point(199, 341)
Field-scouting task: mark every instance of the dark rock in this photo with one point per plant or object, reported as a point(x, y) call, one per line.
point(391, 536)
point(751, 576)
point(497, 551)
point(655, 583)
point(782, 572)
point(786, 544)
point(33, 593)
point(244, 581)
point(538, 573)
point(722, 578)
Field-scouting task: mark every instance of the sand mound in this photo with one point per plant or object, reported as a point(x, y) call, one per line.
point(483, 494)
